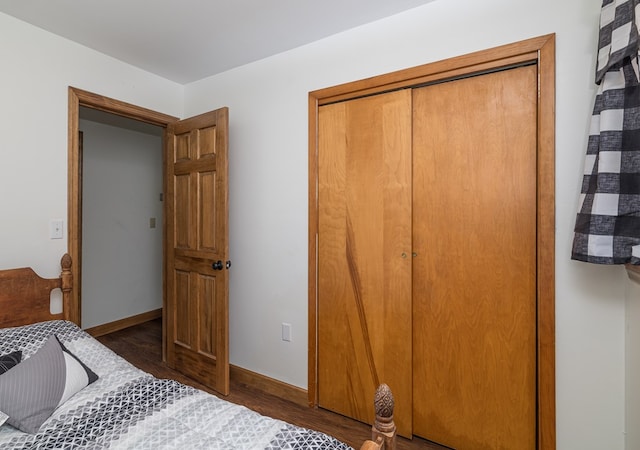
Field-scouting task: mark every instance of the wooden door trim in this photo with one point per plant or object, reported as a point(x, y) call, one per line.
point(439, 71)
point(539, 51)
point(77, 98)
point(546, 247)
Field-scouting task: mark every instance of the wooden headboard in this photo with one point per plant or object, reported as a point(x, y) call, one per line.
point(25, 296)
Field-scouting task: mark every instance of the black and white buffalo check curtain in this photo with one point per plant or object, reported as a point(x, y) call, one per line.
point(607, 227)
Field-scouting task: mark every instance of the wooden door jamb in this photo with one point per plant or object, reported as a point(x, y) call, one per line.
point(77, 98)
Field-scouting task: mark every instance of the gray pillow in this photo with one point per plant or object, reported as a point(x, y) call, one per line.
point(33, 389)
point(9, 361)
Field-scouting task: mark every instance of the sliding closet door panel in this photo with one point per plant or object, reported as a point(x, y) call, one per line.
point(474, 277)
point(364, 254)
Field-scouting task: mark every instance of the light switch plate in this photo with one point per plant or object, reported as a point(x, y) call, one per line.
point(286, 332)
point(55, 228)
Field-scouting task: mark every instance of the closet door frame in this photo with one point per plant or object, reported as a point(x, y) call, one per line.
point(539, 51)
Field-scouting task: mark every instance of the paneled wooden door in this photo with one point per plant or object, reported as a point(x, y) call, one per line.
point(197, 284)
point(364, 254)
point(474, 276)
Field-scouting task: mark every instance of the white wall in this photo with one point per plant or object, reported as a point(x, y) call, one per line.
point(36, 70)
point(268, 190)
point(121, 254)
point(633, 363)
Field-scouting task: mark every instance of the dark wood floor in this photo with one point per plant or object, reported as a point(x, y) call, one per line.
point(142, 346)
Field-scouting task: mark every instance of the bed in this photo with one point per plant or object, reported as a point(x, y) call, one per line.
point(60, 389)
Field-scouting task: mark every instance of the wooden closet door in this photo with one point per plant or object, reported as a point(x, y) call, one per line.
point(474, 277)
point(364, 254)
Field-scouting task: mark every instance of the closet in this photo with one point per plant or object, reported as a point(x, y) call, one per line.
point(430, 258)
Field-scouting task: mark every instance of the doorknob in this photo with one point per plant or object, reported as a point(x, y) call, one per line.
point(218, 265)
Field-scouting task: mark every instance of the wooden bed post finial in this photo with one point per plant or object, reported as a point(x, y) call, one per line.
point(65, 263)
point(384, 427)
point(66, 285)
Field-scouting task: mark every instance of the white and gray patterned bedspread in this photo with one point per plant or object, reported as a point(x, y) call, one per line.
point(127, 408)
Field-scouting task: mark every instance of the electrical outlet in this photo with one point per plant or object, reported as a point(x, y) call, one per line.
point(286, 332)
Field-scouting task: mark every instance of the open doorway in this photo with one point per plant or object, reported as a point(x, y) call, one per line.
point(195, 236)
point(104, 112)
point(121, 222)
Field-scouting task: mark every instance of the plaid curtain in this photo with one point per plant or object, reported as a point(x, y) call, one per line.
point(607, 229)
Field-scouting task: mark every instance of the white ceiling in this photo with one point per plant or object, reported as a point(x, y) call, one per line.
point(187, 40)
